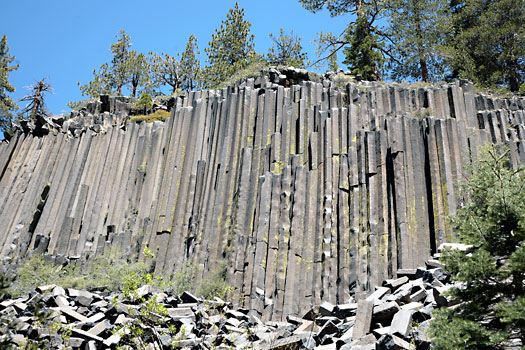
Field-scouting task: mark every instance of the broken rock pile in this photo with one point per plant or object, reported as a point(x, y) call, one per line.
point(395, 316)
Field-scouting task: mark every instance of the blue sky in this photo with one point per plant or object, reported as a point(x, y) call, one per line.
point(65, 40)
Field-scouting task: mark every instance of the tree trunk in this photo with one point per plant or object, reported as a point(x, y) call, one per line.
point(419, 38)
point(514, 84)
point(424, 69)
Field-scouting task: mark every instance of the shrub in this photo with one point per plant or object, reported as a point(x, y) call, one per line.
point(159, 115)
point(145, 102)
point(492, 272)
point(108, 270)
point(251, 71)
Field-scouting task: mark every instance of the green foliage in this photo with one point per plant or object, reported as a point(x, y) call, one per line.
point(522, 89)
point(7, 105)
point(107, 270)
point(341, 80)
point(286, 50)
point(137, 67)
point(335, 7)
point(253, 70)
point(119, 68)
point(168, 70)
point(363, 55)
point(486, 42)
point(215, 285)
point(190, 66)
point(230, 50)
point(415, 32)
point(100, 85)
point(127, 67)
point(326, 47)
point(333, 65)
point(184, 278)
point(145, 102)
point(159, 115)
point(492, 273)
point(165, 70)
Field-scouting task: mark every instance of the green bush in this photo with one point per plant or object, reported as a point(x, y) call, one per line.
point(251, 71)
point(145, 102)
point(159, 115)
point(108, 270)
point(492, 272)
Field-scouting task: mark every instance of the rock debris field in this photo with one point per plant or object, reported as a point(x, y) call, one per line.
point(394, 316)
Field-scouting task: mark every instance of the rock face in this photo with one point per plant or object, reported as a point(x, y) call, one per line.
point(310, 194)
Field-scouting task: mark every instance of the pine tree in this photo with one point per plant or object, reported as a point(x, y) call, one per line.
point(414, 33)
point(363, 55)
point(231, 48)
point(286, 50)
point(190, 65)
point(487, 42)
point(335, 7)
point(492, 272)
point(7, 105)
point(138, 69)
point(111, 77)
point(363, 48)
point(120, 75)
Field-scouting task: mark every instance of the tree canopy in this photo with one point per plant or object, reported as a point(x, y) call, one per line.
point(231, 48)
point(414, 39)
point(286, 50)
point(492, 272)
point(7, 105)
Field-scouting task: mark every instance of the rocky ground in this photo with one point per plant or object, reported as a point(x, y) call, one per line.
point(395, 316)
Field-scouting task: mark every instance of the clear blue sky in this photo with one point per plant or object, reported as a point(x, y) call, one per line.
point(65, 40)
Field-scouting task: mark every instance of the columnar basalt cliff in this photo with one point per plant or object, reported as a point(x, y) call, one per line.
point(310, 193)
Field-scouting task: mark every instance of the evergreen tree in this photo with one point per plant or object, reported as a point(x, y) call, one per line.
point(190, 65)
point(363, 55)
point(120, 74)
point(333, 65)
point(100, 85)
point(231, 48)
point(414, 34)
point(286, 50)
point(335, 7)
point(492, 272)
point(111, 77)
point(487, 42)
point(138, 70)
point(7, 105)
point(363, 48)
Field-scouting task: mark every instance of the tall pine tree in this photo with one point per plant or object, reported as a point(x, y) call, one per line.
point(363, 54)
point(190, 66)
point(415, 35)
point(486, 43)
point(7, 105)
point(231, 48)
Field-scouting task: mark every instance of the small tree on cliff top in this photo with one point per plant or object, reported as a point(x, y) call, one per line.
point(231, 48)
point(492, 273)
point(286, 50)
